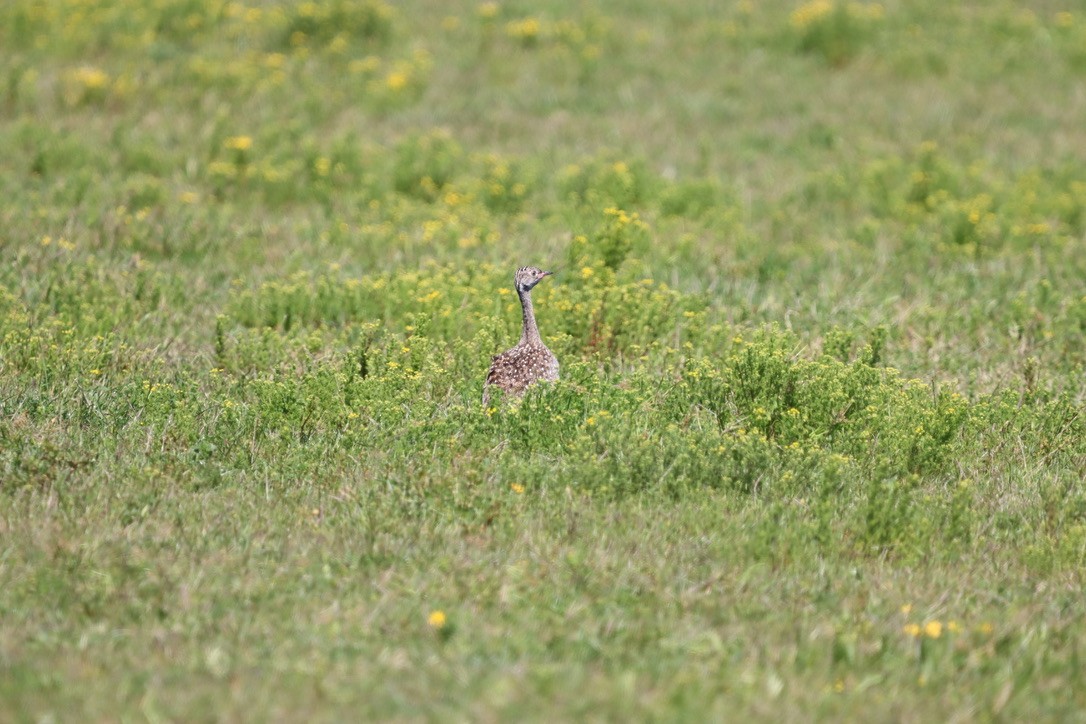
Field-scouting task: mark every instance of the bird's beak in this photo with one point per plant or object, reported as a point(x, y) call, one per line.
point(549, 273)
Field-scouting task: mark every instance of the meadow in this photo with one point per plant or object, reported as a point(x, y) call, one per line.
point(818, 447)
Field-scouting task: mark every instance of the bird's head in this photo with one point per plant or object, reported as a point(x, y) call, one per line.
point(527, 277)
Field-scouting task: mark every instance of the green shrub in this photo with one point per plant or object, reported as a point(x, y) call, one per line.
point(690, 198)
point(600, 182)
point(837, 31)
point(424, 164)
point(322, 22)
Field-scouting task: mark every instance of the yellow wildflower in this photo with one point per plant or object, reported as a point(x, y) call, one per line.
point(239, 143)
point(526, 30)
point(91, 78)
point(436, 619)
point(811, 12)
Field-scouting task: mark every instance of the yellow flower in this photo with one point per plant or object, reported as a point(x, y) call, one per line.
point(526, 30)
point(587, 272)
point(517, 488)
point(811, 12)
point(436, 619)
point(91, 78)
point(933, 629)
point(239, 143)
point(911, 629)
point(488, 10)
point(338, 44)
point(396, 80)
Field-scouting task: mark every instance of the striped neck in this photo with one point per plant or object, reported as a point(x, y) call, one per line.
point(530, 333)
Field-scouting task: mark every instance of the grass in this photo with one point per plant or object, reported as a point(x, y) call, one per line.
point(817, 447)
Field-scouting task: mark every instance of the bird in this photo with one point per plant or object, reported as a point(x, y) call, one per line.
point(530, 361)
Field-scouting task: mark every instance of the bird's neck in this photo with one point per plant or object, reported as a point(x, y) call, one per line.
point(530, 335)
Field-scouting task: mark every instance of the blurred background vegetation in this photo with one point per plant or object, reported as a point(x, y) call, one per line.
point(818, 445)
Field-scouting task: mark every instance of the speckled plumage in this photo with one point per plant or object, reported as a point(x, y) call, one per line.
point(530, 361)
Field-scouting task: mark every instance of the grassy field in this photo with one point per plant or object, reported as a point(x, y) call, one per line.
point(818, 447)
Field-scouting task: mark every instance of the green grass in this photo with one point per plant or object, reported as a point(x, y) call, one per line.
point(818, 444)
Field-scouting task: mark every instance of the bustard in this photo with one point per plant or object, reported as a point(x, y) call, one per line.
point(530, 361)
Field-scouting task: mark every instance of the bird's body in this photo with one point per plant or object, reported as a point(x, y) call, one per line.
point(530, 361)
point(515, 369)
